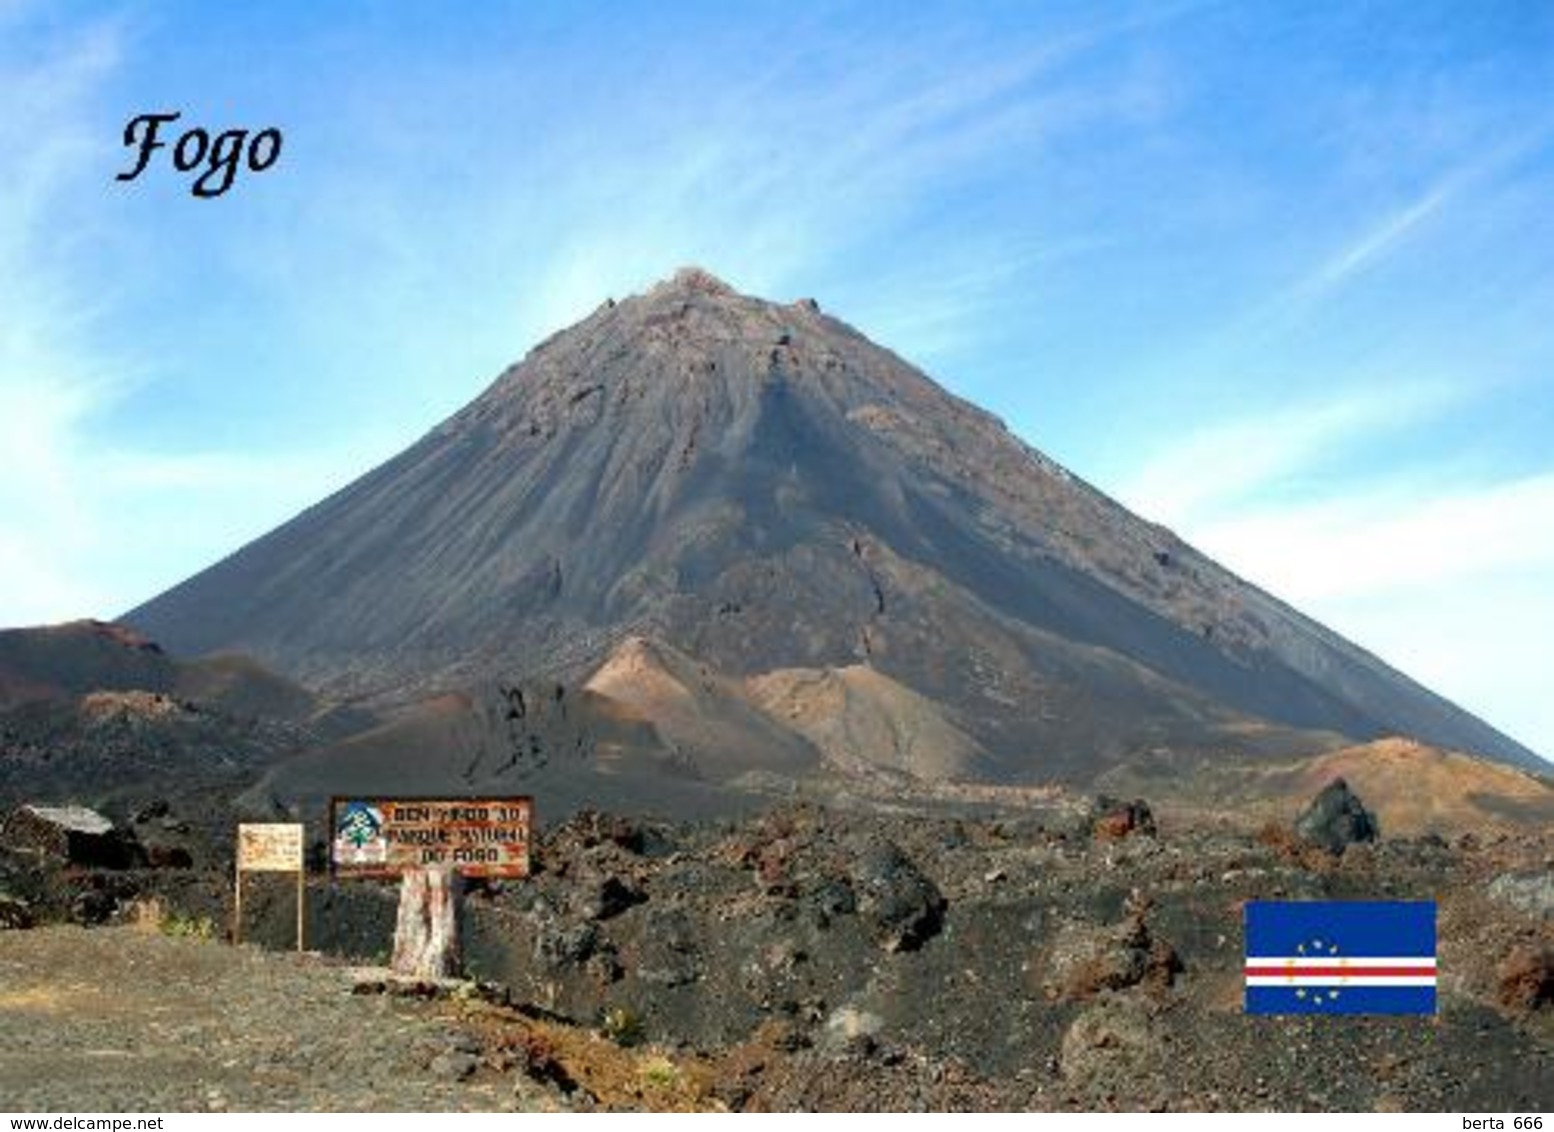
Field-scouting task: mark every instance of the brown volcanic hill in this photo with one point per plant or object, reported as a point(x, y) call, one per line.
point(706, 718)
point(867, 725)
point(90, 710)
point(59, 662)
point(1421, 789)
point(1413, 788)
point(756, 487)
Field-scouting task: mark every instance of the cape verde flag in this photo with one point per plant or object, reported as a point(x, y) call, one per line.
point(1340, 957)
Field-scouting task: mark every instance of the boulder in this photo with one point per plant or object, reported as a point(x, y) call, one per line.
point(1336, 819)
point(1085, 960)
point(605, 897)
point(169, 857)
point(1112, 819)
point(93, 906)
point(1526, 979)
point(902, 907)
point(589, 828)
point(669, 955)
point(566, 945)
point(1115, 1039)
point(15, 915)
point(1532, 893)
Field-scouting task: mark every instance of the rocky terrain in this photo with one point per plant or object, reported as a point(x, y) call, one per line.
point(1077, 954)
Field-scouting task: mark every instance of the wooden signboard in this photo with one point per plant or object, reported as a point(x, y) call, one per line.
point(476, 837)
point(268, 847)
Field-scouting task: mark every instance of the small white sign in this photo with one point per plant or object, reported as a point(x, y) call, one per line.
point(272, 847)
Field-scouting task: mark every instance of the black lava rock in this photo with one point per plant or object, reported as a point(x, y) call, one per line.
point(564, 945)
point(14, 913)
point(93, 906)
point(609, 897)
point(903, 908)
point(1337, 819)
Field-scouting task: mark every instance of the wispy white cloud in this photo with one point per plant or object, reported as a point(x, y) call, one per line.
point(1389, 540)
point(1378, 241)
point(1450, 582)
point(91, 527)
point(1452, 587)
point(47, 384)
point(91, 523)
point(1482, 641)
point(1225, 466)
point(1391, 233)
point(781, 178)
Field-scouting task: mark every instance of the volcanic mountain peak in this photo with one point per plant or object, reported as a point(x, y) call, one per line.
point(693, 278)
point(757, 487)
point(693, 336)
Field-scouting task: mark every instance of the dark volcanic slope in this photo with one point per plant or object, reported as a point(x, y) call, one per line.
point(760, 487)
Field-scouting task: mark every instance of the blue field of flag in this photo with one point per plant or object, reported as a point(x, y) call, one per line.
point(1340, 957)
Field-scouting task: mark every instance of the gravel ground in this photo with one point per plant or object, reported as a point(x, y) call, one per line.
point(127, 1020)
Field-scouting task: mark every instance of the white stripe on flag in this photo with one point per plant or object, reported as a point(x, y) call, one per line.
point(1340, 981)
point(1425, 961)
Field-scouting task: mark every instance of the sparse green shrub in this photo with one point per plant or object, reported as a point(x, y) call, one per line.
point(660, 1073)
point(179, 926)
point(621, 1025)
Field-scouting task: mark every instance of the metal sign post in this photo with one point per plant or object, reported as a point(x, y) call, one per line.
point(270, 847)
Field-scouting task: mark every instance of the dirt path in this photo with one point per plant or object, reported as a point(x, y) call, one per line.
point(125, 1019)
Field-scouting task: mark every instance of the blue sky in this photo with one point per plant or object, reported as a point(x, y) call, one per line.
point(1278, 276)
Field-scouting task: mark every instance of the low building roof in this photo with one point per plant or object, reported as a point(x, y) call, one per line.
point(77, 819)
